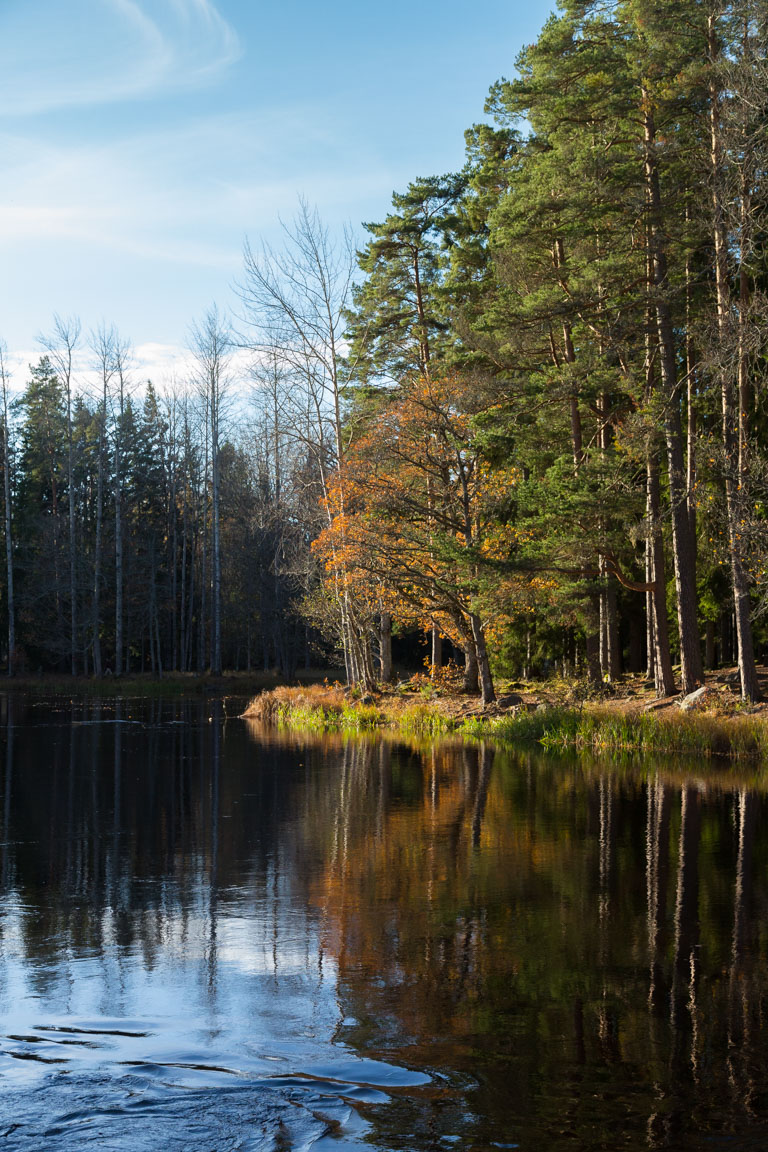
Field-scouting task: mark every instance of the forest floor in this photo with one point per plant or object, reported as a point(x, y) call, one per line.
point(635, 694)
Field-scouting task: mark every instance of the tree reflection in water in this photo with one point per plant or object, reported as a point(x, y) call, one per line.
point(582, 954)
point(575, 953)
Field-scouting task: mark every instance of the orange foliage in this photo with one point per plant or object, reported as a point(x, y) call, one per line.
point(412, 513)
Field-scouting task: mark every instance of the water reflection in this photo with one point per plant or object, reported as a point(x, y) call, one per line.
point(162, 978)
point(583, 956)
point(209, 935)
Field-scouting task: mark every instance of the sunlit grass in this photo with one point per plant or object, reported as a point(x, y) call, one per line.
point(316, 708)
point(604, 731)
point(421, 720)
point(329, 709)
point(324, 708)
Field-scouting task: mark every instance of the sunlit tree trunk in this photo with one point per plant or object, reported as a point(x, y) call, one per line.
point(659, 631)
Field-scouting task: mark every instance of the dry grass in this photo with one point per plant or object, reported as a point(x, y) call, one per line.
point(268, 706)
point(317, 707)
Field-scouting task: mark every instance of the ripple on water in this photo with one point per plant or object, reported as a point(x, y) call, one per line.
point(104, 1084)
point(148, 1109)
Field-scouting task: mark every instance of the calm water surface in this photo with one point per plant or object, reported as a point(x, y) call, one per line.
point(210, 940)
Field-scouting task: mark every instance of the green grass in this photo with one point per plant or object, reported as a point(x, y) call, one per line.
point(312, 717)
point(603, 731)
point(421, 720)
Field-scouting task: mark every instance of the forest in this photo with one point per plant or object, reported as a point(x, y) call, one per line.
point(525, 420)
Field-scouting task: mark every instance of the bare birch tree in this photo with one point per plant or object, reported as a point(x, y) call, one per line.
point(211, 345)
point(295, 302)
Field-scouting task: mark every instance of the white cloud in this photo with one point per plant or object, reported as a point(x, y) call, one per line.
point(92, 52)
point(187, 197)
point(168, 366)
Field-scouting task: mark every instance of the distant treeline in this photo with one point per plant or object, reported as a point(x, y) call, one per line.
point(142, 537)
point(529, 415)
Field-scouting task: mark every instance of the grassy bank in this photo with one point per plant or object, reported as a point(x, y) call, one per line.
point(324, 708)
point(600, 729)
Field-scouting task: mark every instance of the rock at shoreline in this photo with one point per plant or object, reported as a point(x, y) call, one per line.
point(694, 699)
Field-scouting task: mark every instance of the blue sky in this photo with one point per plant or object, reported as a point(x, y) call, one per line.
point(142, 140)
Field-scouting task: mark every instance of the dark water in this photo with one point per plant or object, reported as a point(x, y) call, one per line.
point(209, 941)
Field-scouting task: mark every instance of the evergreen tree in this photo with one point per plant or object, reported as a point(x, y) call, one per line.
point(398, 321)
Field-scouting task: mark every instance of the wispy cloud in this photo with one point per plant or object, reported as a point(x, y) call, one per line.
point(92, 52)
point(188, 197)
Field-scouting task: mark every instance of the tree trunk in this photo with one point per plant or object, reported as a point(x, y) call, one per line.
point(98, 544)
point(487, 692)
point(72, 539)
point(202, 623)
point(216, 591)
point(650, 644)
point(592, 644)
point(118, 571)
point(436, 645)
point(709, 644)
point(690, 376)
point(471, 680)
point(385, 647)
point(733, 420)
point(183, 606)
point(683, 545)
point(661, 659)
point(610, 654)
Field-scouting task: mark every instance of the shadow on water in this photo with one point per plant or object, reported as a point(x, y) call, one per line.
point(211, 938)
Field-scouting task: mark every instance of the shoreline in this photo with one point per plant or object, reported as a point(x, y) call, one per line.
point(715, 726)
point(553, 715)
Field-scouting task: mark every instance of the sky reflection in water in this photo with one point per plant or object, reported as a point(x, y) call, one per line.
point(209, 940)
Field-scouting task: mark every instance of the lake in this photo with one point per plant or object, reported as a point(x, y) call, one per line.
point(213, 938)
